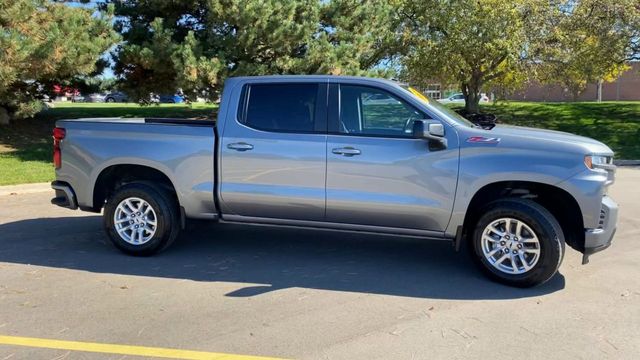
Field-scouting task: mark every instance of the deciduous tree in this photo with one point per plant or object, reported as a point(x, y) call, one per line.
point(468, 42)
point(503, 43)
point(589, 42)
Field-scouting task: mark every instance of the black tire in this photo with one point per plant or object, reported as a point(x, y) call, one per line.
point(164, 205)
point(543, 224)
point(110, 100)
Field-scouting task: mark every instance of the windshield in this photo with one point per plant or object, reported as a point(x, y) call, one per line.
point(442, 109)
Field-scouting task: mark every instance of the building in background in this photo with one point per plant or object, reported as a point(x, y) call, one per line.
point(625, 88)
point(438, 91)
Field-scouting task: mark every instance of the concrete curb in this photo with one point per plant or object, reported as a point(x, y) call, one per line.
point(626, 162)
point(25, 189)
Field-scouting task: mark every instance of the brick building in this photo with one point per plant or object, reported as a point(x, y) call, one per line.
point(625, 88)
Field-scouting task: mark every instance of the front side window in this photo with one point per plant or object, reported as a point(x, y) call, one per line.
point(370, 111)
point(280, 107)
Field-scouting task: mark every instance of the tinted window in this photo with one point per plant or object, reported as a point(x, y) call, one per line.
point(370, 111)
point(281, 107)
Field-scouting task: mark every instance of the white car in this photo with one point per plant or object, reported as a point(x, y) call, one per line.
point(459, 98)
point(94, 98)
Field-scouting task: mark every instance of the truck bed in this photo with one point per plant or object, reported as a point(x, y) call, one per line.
point(182, 149)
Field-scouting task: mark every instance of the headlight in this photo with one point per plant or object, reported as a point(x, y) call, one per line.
point(598, 161)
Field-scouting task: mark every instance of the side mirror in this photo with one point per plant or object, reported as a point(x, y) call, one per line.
point(431, 130)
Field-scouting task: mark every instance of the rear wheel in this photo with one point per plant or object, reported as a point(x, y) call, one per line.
point(518, 242)
point(141, 219)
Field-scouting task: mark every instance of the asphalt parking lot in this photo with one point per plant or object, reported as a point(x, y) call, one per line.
point(303, 294)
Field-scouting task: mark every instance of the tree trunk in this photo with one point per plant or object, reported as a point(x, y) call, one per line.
point(599, 91)
point(4, 116)
point(471, 98)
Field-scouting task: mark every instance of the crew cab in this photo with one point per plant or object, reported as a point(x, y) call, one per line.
point(350, 154)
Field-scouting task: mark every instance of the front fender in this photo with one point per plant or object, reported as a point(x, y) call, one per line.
point(485, 164)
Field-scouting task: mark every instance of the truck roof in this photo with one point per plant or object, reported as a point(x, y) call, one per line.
point(313, 77)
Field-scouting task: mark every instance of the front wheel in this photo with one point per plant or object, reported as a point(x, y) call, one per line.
point(518, 242)
point(141, 219)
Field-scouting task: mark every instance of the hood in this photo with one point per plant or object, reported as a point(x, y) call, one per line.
point(533, 134)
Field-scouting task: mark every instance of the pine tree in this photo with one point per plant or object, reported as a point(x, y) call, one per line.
point(195, 45)
point(42, 42)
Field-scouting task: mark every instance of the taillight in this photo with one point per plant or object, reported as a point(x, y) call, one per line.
point(58, 135)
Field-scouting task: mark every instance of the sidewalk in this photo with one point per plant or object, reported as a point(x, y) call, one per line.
point(25, 189)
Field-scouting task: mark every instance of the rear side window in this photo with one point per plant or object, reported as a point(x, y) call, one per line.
point(280, 107)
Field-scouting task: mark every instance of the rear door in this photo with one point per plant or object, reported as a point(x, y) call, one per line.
point(273, 152)
point(377, 173)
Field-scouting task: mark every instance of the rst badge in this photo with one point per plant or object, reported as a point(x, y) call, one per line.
point(483, 140)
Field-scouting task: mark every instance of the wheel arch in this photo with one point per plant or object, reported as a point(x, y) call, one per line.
point(113, 176)
point(560, 203)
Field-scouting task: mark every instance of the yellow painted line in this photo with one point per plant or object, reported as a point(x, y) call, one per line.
point(123, 349)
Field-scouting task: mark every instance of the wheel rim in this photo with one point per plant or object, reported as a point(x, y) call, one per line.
point(135, 221)
point(510, 246)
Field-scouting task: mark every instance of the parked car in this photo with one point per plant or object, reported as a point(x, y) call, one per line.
point(459, 98)
point(116, 96)
point(307, 151)
point(77, 98)
point(167, 99)
point(95, 98)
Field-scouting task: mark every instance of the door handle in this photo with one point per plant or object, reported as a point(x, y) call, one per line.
point(346, 151)
point(241, 146)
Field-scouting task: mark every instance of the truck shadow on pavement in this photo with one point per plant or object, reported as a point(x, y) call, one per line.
point(275, 258)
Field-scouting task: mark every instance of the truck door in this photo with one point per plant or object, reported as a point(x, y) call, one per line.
point(273, 152)
point(377, 173)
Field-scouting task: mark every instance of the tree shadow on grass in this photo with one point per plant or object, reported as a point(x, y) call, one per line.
point(267, 259)
point(41, 152)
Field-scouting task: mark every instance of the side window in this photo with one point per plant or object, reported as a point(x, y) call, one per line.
point(280, 107)
point(370, 111)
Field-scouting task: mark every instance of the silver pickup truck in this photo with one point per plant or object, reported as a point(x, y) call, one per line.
point(350, 154)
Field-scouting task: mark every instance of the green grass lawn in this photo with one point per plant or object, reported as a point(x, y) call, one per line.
point(616, 124)
point(25, 146)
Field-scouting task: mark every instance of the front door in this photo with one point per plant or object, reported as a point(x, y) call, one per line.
point(377, 173)
point(273, 161)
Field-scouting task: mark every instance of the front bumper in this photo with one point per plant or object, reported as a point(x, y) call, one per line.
point(65, 196)
point(600, 238)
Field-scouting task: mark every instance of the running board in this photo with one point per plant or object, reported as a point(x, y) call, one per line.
point(335, 227)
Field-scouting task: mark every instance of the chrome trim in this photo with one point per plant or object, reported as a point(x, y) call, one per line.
point(607, 167)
